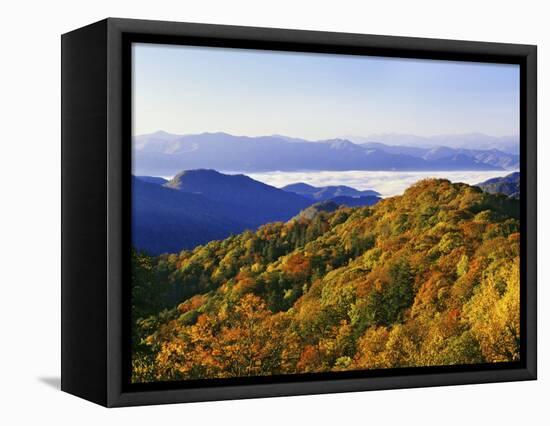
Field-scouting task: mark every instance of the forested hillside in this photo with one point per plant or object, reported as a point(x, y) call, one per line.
point(427, 278)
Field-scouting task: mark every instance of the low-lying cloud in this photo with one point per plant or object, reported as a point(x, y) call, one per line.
point(388, 183)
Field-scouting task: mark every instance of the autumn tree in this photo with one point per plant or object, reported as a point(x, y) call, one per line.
point(424, 279)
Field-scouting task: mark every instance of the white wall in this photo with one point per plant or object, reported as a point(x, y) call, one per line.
point(30, 242)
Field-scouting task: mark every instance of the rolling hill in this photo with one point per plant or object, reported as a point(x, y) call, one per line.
point(507, 185)
point(257, 202)
point(166, 220)
point(326, 192)
point(197, 206)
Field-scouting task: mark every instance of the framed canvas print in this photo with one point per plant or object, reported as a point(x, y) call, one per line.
point(253, 212)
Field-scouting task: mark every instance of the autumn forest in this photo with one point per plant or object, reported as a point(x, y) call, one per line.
point(426, 278)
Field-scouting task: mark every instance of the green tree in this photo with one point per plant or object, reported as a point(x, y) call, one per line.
point(386, 306)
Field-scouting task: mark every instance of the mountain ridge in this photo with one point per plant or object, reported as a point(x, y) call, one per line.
point(164, 155)
point(473, 140)
point(197, 206)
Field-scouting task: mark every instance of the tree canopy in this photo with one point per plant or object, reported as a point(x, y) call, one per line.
point(427, 278)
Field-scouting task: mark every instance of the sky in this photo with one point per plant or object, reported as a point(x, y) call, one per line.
point(187, 90)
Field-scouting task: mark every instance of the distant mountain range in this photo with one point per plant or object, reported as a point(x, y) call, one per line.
point(442, 154)
point(165, 154)
point(198, 206)
point(507, 185)
point(476, 141)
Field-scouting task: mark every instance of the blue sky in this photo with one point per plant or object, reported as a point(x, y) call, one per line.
point(187, 90)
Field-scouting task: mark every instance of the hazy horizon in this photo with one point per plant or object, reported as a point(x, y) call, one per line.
point(388, 138)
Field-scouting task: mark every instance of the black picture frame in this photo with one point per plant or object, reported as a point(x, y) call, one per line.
point(96, 150)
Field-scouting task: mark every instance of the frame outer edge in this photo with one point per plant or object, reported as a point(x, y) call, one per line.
point(115, 147)
point(83, 167)
point(153, 27)
point(531, 237)
point(117, 27)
